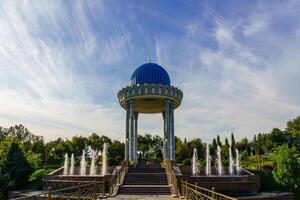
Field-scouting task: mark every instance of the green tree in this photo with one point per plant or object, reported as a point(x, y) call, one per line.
point(213, 149)
point(145, 143)
point(258, 148)
point(233, 145)
point(17, 166)
point(78, 144)
point(196, 143)
point(232, 140)
point(219, 143)
point(116, 152)
point(276, 138)
point(95, 142)
point(182, 152)
point(244, 146)
point(225, 152)
point(293, 127)
point(4, 184)
point(35, 159)
point(226, 142)
point(287, 171)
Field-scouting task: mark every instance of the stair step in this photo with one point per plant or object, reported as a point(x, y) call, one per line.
point(145, 174)
point(143, 183)
point(145, 170)
point(151, 166)
point(144, 189)
point(145, 180)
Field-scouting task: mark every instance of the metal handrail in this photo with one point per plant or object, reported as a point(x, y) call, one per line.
point(171, 176)
point(201, 193)
point(83, 191)
point(116, 179)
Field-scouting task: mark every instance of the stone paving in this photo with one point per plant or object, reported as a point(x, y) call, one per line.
point(142, 197)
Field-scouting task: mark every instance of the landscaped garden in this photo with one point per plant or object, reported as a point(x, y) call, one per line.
point(26, 158)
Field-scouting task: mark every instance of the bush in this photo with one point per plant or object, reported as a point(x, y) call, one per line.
point(186, 161)
point(287, 171)
point(244, 155)
point(36, 178)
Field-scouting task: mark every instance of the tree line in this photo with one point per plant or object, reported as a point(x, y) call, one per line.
point(22, 152)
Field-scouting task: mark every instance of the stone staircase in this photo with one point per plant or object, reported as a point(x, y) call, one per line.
point(145, 180)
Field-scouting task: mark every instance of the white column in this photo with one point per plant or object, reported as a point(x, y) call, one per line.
point(136, 115)
point(172, 136)
point(167, 127)
point(165, 137)
point(131, 130)
point(127, 138)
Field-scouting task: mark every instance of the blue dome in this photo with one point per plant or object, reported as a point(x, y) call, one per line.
point(150, 73)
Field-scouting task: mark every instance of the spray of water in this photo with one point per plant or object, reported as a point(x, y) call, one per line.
point(72, 164)
point(93, 166)
point(195, 163)
point(220, 168)
point(230, 162)
point(208, 167)
point(83, 164)
point(66, 164)
point(238, 168)
point(104, 160)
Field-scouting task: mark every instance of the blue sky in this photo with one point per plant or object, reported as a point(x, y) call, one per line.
point(63, 62)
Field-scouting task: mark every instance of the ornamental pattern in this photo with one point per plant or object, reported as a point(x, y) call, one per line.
point(153, 89)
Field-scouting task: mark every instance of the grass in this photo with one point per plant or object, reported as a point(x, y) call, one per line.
point(252, 161)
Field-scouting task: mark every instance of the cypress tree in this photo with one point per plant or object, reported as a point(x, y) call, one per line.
point(17, 166)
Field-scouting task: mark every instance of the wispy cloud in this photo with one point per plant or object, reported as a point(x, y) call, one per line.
point(62, 64)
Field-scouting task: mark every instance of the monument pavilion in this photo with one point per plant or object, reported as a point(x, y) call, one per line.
point(150, 91)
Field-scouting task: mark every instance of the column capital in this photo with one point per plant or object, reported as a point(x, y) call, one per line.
point(167, 101)
point(127, 105)
point(172, 105)
point(131, 102)
point(167, 104)
point(136, 115)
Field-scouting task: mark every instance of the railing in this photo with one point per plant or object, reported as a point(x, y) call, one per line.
point(171, 176)
point(116, 179)
point(88, 191)
point(195, 192)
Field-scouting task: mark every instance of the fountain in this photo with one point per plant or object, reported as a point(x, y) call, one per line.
point(82, 164)
point(220, 169)
point(237, 164)
point(72, 164)
point(195, 163)
point(208, 167)
point(104, 160)
point(66, 164)
point(93, 167)
point(230, 162)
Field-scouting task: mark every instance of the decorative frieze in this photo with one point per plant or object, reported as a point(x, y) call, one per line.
point(130, 92)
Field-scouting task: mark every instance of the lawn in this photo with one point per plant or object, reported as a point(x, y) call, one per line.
point(252, 161)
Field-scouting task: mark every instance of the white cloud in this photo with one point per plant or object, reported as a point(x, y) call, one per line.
point(48, 65)
point(233, 87)
point(61, 65)
point(256, 24)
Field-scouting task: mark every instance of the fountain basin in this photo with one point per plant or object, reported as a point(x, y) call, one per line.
point(56, 180)
point(244, 184)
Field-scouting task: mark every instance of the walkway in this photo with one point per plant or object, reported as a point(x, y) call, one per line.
point(142, 197)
